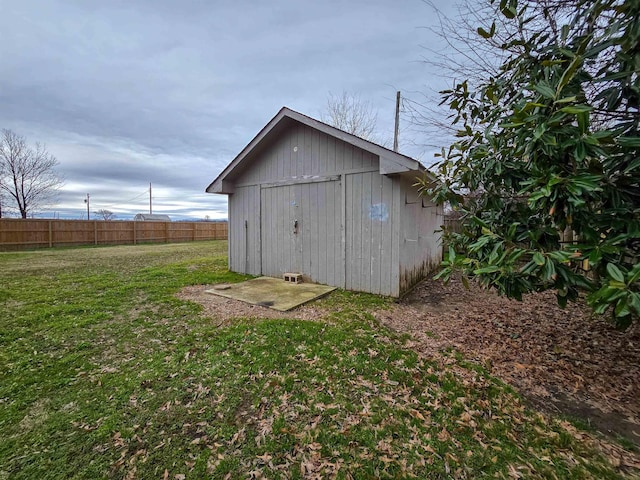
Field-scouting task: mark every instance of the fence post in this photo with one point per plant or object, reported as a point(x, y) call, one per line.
point(50, 235)
point(134, 232)
point(95, 232)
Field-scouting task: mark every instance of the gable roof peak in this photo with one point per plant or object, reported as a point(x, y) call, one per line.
point(390, 162)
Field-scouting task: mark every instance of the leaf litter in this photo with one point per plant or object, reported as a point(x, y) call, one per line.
point(534, 346)
point(564, 360)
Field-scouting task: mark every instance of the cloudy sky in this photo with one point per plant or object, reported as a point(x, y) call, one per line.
point(127, 93)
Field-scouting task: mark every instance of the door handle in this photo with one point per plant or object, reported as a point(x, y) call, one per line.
point(295, 227)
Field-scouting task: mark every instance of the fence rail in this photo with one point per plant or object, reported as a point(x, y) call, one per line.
point(452, 223)
point(20, 234)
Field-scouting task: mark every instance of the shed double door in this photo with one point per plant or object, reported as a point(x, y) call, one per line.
point(301, 231)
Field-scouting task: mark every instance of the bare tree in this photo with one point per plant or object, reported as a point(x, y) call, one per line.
point(350, 113)
point(470, 48)
point(27, 174)
point(105, 215)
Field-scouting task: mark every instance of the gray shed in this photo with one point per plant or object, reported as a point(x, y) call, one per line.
point(305, 197)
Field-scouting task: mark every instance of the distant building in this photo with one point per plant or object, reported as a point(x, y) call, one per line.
point(151, 217)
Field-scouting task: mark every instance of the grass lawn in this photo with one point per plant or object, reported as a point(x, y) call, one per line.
point(105, 374)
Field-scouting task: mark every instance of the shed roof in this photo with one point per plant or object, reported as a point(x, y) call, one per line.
point(152, 217)
point(390, 162)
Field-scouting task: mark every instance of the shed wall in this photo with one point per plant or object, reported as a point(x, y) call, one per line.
point(299, 156)
point(244, 231)
point(420, 249)
point(301, 231)
point(372, 211)
point(357, 229)
point(301, 151)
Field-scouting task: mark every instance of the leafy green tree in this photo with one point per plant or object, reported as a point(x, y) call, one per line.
point(550, 144)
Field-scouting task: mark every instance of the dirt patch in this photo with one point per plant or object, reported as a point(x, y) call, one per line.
point(561, 360)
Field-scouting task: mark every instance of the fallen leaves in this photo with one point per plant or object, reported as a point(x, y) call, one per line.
point(341, 408)
point(562, 359)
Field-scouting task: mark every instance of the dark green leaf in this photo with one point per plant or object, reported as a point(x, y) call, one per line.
point(628, 141)
point(634, 302)
point(615, 273)
point(489, 269)
point(562, 300)
point(567, 100)
point(538, 258)
point(549, 271)
point(484, 33)
point(583, 122)
point(545, 90)
point(634, 274)
point(622, 309)
point(573, 109)
point(569, 73)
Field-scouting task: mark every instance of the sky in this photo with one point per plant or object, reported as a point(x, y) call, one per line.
point(167, 92)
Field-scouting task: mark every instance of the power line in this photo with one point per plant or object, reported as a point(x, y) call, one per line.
point(123, 201)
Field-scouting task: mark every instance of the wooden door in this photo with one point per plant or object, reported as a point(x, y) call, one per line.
point(301, 231)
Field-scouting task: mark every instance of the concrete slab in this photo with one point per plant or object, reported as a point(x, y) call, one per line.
point(272, 292)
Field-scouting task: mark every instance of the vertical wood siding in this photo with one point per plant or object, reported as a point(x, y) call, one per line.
point(20, 234)
point(357, 229)
point(370, 203)
point(303, 151)
point(315, 247)
point(299, 154)
point(420, 249)
point(278, 240)
point(244, 230)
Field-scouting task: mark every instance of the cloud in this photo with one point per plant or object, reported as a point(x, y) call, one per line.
point(126, 93)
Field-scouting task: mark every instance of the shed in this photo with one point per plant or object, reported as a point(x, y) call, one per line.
point(151, 217)
point(305, 197)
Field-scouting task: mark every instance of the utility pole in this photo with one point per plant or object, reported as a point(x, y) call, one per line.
point(86, 200)
point(395, 134)
point(150, 209)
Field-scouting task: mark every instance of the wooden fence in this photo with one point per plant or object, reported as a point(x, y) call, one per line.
point(19, 234)
point(452, 223)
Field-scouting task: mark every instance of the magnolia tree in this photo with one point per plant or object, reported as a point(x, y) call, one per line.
point(548, 144)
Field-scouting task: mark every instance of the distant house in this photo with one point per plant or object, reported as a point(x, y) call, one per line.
point(305, 197)
point(151, 217)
